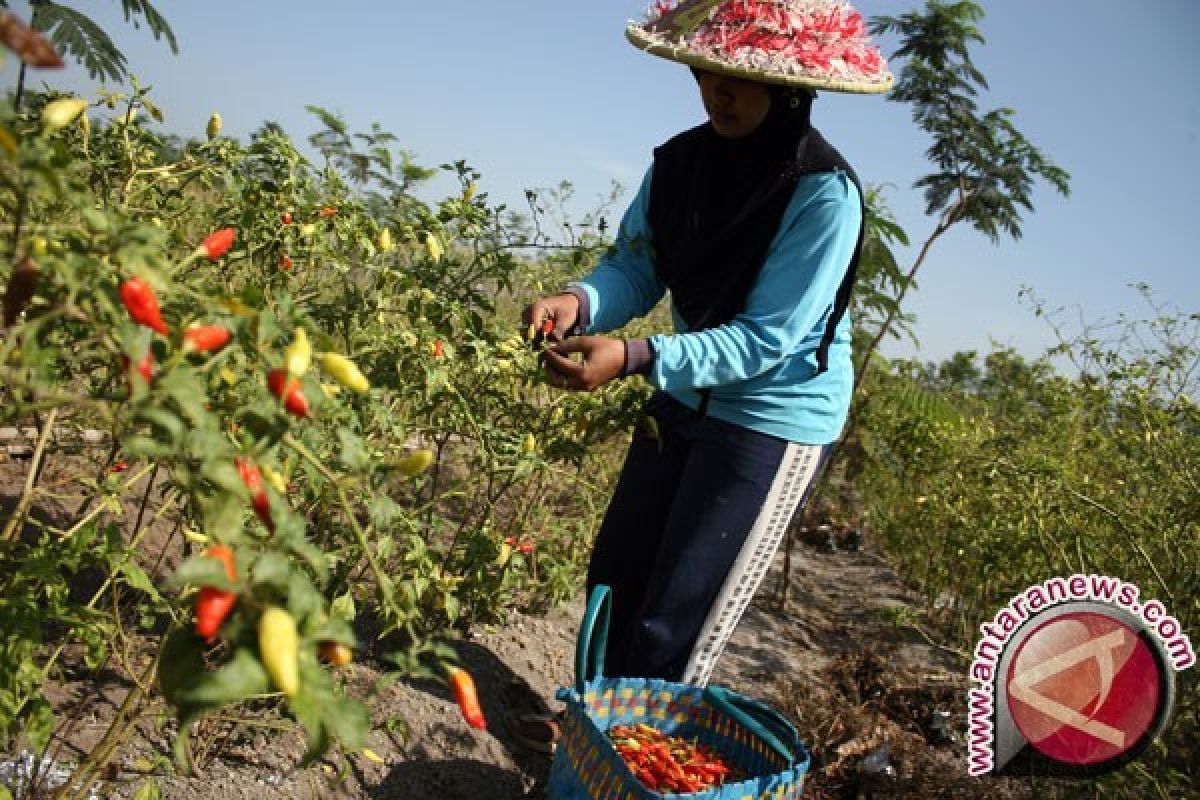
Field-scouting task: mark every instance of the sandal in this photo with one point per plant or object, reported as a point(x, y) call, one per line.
point(534, 730)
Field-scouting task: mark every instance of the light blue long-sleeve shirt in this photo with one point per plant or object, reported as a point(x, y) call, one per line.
point(761, 367)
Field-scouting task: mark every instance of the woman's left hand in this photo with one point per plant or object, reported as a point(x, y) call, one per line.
point(603, 360)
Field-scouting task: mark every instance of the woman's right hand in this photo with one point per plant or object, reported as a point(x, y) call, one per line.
point(562, 309)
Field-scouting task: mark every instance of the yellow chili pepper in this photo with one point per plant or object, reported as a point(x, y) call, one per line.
point(58, 114)
point(433, 247)
point(415, 462)
point(274, 478)
point(345, 372)
point(278, 645)
point(386, 245)
point(298, 355)
point(213, 130)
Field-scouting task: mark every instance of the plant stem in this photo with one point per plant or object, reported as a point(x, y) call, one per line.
point(13, 527)
point(118, 729)
point(360, 535)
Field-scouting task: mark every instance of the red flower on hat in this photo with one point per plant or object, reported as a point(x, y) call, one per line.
point(825, 37)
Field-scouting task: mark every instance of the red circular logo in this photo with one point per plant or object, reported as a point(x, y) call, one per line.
point(1083, 688)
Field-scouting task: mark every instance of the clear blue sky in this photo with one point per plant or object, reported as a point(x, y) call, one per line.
point(534, 92)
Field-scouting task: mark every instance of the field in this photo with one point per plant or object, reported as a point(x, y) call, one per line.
point(277, 462)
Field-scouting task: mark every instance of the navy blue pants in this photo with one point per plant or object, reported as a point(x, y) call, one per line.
point(688, 535)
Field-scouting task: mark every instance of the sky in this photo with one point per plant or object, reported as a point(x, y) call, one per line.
point(533, 92)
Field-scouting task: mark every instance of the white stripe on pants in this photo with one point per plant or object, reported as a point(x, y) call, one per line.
point(796, 471)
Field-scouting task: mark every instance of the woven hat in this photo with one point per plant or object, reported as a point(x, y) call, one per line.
point(817, 44)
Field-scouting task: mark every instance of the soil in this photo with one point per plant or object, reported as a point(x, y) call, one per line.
point(880, 705)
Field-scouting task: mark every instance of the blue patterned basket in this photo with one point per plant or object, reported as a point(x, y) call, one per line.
point(753, 738)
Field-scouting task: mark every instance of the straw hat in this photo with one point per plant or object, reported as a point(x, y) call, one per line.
point(817, 44)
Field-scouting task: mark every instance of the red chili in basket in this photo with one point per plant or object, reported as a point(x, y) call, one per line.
point(665, 763)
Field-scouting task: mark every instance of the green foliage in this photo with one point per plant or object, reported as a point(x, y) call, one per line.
point(986, 168)
point(345, 530)
point(1037, 474)
point(78, 36)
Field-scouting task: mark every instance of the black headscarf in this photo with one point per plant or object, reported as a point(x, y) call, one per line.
point(716, 203)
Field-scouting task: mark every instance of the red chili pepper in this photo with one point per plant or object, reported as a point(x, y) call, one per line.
point(253, 480)
point(287, 389)
point(327, 211)
point(217, 243)
point(205, 338)
point(547, 326)
point(213, 606)
point(525, 548)
point(145, 367)
point(438, 350)
point(142, 304)
point(118, 467)
point(285, 263)
point(466, 697)
point(286, 218)
point(668, 763)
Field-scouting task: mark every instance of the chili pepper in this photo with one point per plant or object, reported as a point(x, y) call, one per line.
point(205, 338)
point(217, 243)
point(142, 304)
point(298, 355)
point(119, 467)
point(525, 548)
point(21, 286)
point(253, 480)
point(529, 444)
point(335, 653)
point(547, 326)
point(286, 218)
point(668, 763)
point(308, 230)
point(386, 245)
point(433, 247)
point(415, 463)
point(34, 49)
point(287, 389)
point(438, 350)
point(278, 646)
point(213, 129)
point(145, 366)
point(58, 114)
point(464, 694)
point(345, 372)
point(285, 263)
point(326, 212)
point(213, 606)
point(275, 479)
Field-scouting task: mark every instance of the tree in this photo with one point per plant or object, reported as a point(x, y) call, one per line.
point(77, 35)
point(985, 167)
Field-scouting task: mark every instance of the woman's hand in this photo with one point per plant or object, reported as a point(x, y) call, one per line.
point(563, 309)
point(603, 360)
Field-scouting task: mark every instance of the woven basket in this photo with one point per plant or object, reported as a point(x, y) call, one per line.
point(754, 739)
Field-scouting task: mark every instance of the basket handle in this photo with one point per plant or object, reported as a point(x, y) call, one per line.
point(760, 719)
point(592, 643)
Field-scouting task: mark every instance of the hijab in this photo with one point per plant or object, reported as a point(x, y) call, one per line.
point(716, 204)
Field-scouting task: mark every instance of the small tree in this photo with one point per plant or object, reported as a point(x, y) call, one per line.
point(77, 35)
point(985, 167)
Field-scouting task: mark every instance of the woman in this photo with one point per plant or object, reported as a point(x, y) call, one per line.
point(754, 223)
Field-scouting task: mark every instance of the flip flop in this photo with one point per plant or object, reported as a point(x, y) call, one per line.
point(534, 730)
